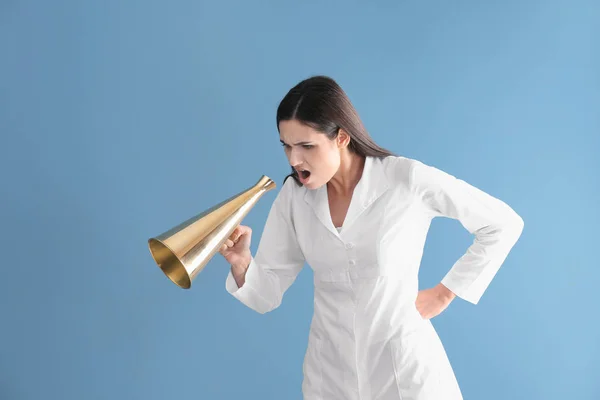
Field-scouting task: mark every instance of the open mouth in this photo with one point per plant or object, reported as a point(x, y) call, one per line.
point(304, 173)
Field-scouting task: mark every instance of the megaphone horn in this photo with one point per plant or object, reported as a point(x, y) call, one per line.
point(183, 251)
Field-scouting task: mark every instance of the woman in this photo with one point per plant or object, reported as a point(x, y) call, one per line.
point(359, 216)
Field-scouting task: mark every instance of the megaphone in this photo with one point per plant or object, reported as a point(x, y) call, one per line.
point(183, 251)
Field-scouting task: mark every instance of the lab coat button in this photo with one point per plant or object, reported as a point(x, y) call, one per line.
point(349, 245)
point(352, 262)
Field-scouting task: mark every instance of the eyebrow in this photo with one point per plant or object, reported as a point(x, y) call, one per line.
point(298, 143)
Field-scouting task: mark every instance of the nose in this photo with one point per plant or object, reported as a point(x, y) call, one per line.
point(294, 158)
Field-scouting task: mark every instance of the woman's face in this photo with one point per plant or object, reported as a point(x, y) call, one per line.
point(310, 151)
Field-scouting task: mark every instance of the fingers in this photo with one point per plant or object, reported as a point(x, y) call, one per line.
point(239, 231)
point(235, 237)
point(227, 245)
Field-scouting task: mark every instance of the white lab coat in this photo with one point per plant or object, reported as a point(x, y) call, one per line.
point(367, 340)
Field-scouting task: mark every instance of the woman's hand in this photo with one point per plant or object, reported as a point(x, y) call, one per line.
point(236, 251)
point(432, 302)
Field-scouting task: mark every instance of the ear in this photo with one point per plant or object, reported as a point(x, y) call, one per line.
point(343, 139)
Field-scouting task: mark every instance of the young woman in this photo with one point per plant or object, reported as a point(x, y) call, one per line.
point(359, 216)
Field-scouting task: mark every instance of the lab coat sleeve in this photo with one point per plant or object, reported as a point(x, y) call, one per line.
point(277, 262)
point(496, 227)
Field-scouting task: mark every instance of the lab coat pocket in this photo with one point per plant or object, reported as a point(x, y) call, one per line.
point(417, 375)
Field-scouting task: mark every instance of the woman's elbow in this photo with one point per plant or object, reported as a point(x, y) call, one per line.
point(512, 229)
point(518, 225)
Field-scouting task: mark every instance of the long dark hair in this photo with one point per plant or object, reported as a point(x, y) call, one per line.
point(320, 103)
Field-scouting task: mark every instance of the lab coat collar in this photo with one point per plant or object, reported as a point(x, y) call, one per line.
point(372, 184)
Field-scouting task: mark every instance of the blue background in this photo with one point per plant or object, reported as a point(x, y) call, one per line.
point(119, 119)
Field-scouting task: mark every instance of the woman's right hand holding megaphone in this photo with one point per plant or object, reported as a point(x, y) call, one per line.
point(236, 251)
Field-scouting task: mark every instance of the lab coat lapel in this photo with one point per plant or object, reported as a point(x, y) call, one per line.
point(372, 184)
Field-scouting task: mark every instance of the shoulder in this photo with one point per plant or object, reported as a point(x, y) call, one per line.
point(288, 192)
point(412, 173)
point(291, 189)
point(399, 169)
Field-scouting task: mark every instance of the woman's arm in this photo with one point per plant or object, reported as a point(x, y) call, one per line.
point(496, 227)
point(277, 262)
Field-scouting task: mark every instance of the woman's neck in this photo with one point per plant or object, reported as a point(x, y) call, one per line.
point(348, 175)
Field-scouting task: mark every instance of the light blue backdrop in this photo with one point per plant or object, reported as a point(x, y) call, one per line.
point(120, 119)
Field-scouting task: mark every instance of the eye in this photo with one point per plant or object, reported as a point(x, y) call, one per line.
point(307, 146)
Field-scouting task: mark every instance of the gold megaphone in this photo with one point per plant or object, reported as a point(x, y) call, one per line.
point(182, 252)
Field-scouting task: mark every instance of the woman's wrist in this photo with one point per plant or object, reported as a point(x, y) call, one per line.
point(239, 270)
point(444, 293)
